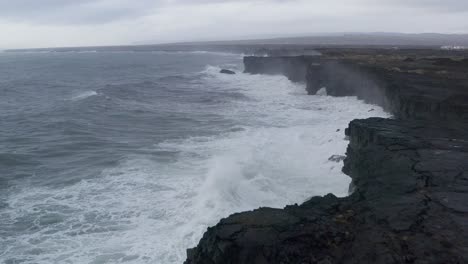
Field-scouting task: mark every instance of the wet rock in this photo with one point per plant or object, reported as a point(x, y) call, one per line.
point(337, 158)
point(225, 71)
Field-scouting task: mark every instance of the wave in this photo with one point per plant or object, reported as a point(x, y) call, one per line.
point(278, 157)
point(87, 51)
point(211, 70)
point(83, 95)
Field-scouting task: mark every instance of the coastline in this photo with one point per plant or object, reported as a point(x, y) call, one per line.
point(409, 174)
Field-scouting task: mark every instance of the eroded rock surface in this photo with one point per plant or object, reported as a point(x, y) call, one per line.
point(409, 206)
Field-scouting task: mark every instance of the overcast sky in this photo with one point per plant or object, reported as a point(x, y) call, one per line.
point(52, 23)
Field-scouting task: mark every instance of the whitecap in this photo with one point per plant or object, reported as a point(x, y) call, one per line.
point(83, 95)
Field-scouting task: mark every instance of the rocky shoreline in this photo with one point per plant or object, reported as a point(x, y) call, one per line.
point(410, 174)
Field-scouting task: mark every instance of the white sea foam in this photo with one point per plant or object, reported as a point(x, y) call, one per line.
point(87, 51)
point(83, 95)
point(144, 211)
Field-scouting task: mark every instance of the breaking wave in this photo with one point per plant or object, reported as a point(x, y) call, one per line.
point(83, 95)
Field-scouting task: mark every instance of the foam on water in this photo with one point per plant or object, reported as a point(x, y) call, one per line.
point(83, 95)
point(150, 211)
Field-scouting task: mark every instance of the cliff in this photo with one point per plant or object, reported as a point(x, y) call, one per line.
point(409, 84)
point(410, 174)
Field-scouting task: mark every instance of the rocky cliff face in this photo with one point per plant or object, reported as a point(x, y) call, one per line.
point(410, 175)
point(409, 206)
point(405, 83)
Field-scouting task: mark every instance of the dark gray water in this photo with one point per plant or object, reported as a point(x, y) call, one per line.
point(127, 157)
point(88, 110)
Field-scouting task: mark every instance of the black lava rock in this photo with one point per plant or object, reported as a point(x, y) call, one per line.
point(409, 206)
point(227, 71)
point(337, 158)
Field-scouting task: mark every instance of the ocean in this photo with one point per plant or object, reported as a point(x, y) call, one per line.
point(128, 157)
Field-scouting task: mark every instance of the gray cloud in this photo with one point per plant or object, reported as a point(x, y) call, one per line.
point(438, 5)
point(74, 11)
point(105, 11)
point(33, 23)
point(89, 11)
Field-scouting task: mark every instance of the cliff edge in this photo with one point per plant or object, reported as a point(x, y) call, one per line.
point(410, 174)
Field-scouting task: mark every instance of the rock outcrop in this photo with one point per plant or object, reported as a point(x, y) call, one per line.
point(409, 201)
point(409, 206)
point(225, 71)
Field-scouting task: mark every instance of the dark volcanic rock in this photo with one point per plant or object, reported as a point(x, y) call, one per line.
point(425, 87)
point(409, 206)
point(337, 158)
point(227, 71)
